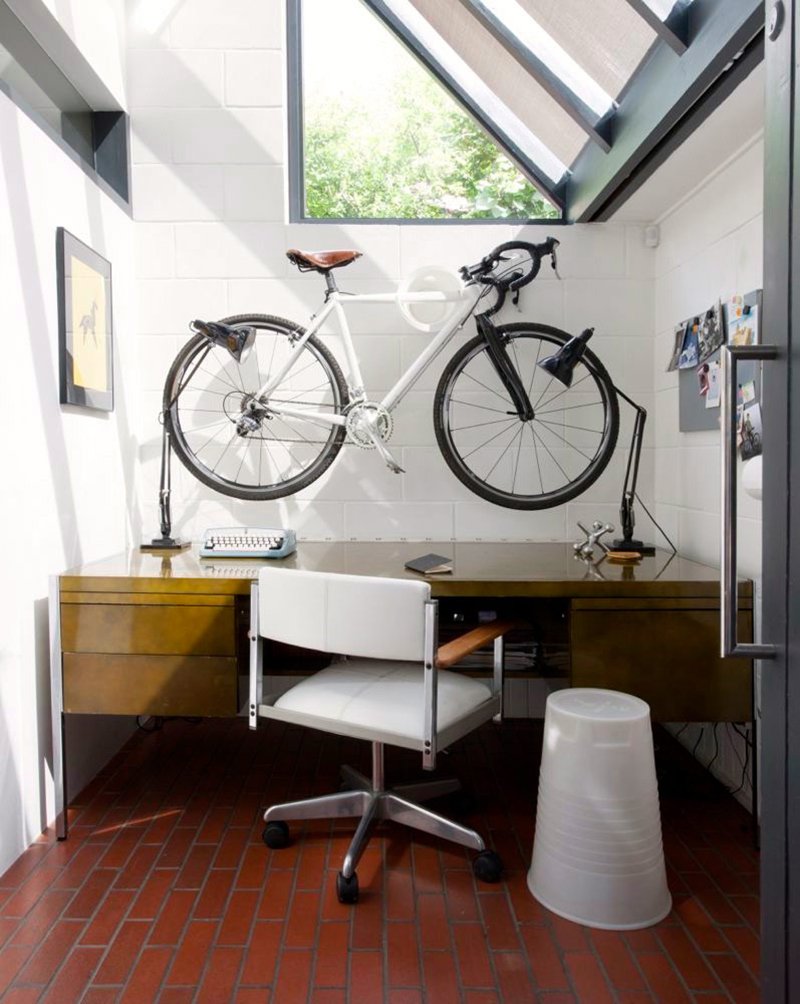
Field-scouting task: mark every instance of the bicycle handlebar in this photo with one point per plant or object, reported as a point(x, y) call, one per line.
point(514, 280)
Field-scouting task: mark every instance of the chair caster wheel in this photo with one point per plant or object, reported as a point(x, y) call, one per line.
point(487, 867)
point(347, 889)
point(276, 835)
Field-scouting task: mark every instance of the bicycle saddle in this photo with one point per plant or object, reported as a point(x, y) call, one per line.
point(320, 261)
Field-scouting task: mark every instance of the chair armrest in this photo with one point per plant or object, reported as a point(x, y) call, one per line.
point(457, 649)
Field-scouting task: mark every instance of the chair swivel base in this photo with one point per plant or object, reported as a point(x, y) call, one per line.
point(369, 800)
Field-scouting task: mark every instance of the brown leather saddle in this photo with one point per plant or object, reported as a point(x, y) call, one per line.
point(320, 261)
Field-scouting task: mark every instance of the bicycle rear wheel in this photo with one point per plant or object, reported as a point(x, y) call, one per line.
point(535, 464)
point(207, 391)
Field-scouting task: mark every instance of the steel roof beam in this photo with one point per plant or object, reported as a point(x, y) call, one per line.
point(674, 29)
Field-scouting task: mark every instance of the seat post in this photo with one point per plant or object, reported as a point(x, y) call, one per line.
point(330, 283)
point(378, 782)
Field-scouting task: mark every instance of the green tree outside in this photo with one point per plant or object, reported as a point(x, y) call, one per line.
point(416, 155)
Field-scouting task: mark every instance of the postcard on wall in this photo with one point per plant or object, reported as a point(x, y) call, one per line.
point(713, 393)
point(709, 334)
point(743, 330)
point(677, 346)
point(689, 351)
point(750, 431)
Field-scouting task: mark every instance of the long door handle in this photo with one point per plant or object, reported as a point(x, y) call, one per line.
point(729, 646)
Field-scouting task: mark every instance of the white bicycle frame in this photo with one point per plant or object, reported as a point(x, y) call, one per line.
point(468, 295)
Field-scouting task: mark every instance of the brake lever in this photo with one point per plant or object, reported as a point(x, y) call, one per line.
point(554, 263)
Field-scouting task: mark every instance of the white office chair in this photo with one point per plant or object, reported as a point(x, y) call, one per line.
point(388, 684)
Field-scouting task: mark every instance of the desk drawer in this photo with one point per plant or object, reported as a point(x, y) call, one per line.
point(668, 657)
point(139, 629)
point(149, 685)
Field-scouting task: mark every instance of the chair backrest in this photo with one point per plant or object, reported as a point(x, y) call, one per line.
point(347, 614)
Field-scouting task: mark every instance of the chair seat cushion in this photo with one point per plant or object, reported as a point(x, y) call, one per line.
point(387, 696)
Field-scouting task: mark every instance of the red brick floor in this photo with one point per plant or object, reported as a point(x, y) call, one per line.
point(165, 892)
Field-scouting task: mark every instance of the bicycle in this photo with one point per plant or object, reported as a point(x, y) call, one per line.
point(258, 407)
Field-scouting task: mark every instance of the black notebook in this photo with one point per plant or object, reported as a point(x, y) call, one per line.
point(430, 564)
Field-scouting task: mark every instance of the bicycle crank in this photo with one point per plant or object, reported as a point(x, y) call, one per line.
point(369, 425)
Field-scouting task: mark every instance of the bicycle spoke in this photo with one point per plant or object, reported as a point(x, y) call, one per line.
point(490, 440)
point(552, 456)
point(478, 425)
point(505, 451)
point(536, 452)
point(566, 425)
point(485, 386)
point(571, 407)
point(516, 462)
point(571, 445)
point(483, 407)
point(564, 390)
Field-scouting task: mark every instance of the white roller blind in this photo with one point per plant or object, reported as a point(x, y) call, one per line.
point(504, 76)
point(606, 37)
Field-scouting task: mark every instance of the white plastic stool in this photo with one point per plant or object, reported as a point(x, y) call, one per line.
point(597, 854)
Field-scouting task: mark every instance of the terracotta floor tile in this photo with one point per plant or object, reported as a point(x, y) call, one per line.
point(261, 955)
point(587, 978)
point(662, 980)
point(440, 979)
point(402, 954)
point(330, 957)
point(514, 977)
point(147, 976)
point(735, 978)
point(220, 976)
point(617, 960)
point(544, 958)
point(399, 894)
point(122, 952)
point(190, 959)
point(498, 921)
point(691, 965)
point(52, 952)
point(472, 953)
point(294, 977)
point(366, 977)
point(74, 976)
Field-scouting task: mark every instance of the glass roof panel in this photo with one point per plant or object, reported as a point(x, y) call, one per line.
point(609, 46)
point(501, 76)
point(531, 34)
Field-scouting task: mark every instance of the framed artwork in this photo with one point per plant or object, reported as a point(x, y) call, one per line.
point(85, 335)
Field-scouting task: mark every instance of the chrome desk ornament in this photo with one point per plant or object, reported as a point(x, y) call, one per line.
point(585, 548)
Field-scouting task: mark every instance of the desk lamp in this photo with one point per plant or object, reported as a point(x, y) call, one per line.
point(561, 366)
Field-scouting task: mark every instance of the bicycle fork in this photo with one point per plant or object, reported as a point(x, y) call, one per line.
point(505, 369)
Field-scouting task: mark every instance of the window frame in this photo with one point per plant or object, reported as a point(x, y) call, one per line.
point(296, 144)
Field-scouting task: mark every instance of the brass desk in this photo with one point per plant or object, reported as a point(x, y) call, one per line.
point(140, 634)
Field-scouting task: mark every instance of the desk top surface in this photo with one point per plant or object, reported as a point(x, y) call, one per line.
point(479, 569)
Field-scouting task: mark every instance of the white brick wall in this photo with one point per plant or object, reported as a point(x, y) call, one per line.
point(208, 121)
point(711, 247)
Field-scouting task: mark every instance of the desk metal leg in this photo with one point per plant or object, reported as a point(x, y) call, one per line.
point(57, 710)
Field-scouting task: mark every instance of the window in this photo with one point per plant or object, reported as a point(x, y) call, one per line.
point(376, 136)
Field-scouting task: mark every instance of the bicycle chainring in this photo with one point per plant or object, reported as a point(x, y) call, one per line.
point(366, 415)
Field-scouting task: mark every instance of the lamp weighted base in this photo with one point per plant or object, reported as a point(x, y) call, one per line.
point(631, 545)
point(166, 544)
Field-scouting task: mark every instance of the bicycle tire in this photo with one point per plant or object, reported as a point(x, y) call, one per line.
point(593, 464)
point(241, 382)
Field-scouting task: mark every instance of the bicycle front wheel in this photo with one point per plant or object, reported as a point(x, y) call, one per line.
point(534, 464)
point(271, 455)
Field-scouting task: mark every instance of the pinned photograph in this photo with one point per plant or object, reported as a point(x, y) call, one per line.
point(702, 378)
point(689, 357)
point(750, 432)
point(743, 330)
point(746, 392)
point(713, 391)
point(677, 346)
point(709, 334)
